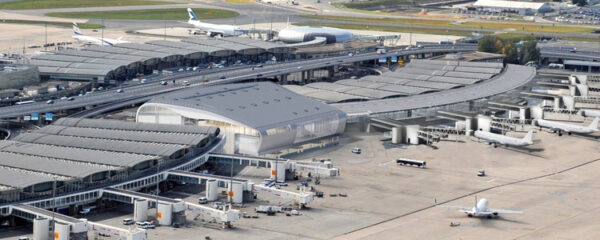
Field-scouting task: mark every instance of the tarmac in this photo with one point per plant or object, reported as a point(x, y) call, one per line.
point(554, 181)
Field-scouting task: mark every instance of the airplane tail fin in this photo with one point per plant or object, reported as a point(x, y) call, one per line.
point(191, 14)
point(76, 29)
point(594, 124)
point(528, 137)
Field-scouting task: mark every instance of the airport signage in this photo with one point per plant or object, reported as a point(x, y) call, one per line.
point(27, 118)
point(35, 116)
point(382, 59)
point(48, 116)
point(394, 59)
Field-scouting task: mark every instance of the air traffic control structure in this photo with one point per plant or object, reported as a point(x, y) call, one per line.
point(77, 163)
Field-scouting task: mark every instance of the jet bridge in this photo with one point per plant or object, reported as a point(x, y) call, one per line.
point(302, 198)
point(198, 178)
point(66, 227)
point(543, 96)
point(281, 169)
point(574, 89)
point(523, 110)
point(226, 216)
point(592, 102)
point(169, 211)
point(460, 117)
point(172, 207)
point(429, 137)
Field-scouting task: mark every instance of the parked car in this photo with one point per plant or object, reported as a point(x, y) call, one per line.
point(149, 225)
point(86, 210)
point(128, 221)
point(202, 200)
point(356, 150)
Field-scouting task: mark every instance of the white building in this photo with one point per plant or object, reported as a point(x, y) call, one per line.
point(523, 8)
point(256, 118)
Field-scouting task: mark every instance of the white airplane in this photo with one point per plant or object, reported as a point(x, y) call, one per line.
point(560, 127)
point(213, 29)
point(95, 40)
point(481, 209)
point(493, 138)
point(590, 113)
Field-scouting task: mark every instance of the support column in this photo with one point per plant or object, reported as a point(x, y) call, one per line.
point(468, 126)
point(522, 113)
point(283, 79)
point(304, 76)
point(331, 71)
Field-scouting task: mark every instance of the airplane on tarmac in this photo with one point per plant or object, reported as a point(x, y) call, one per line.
point(481, 209)
point(493, 138)
point(590, 113)
point(560, 127)
point(213, 30)
point(95, 40)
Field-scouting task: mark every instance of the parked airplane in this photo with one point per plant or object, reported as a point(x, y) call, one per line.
point(590, 113)
point(559, 127)
point(213, 29)
point(481, 209)
point(493, 138)
point(95, 40)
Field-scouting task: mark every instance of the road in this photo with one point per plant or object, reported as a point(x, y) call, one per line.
point(201, 79)
point(569, 53)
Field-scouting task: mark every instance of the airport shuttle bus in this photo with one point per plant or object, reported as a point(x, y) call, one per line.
point(411, 162)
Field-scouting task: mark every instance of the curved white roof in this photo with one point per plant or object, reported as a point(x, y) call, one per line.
point(296, 34)
point(260, 106)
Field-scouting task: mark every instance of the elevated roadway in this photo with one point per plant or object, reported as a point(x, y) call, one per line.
point(201, 79)
point(569, 54)
point(513, 77)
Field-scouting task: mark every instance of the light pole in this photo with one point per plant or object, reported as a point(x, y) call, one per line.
point(102, 32)
point(45, 36)
point(157, 183)
point(230, 193)
point(53, 201)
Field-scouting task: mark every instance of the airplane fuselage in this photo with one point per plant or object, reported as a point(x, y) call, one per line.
point(97, 41)
point(481, 209)
point(500, 139)
point(565, 127)
point(216, 29)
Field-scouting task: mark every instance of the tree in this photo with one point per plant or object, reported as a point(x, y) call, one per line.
point(488, 44)
point(579, 3)
point(529, 52)
point(510, 53)
point(499, 46)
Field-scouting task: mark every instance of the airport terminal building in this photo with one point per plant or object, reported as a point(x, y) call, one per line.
point(255, 118)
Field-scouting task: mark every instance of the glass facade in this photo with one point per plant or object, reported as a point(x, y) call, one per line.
point(245, 140)
point(317, 128)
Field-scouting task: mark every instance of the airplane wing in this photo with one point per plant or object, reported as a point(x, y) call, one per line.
point(459, 208)
point(503, 211)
